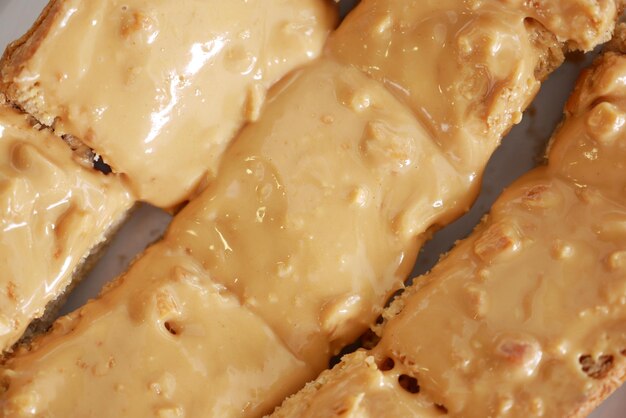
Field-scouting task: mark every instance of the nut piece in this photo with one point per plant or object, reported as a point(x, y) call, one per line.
point(478, 303)
point(541, 196)
point(561, 250)
point(166, 304)
point(499, 239)
point(171, 412)
point(338, 313)
point(522, 352)
point(605, 122)
point(616, 261)
point(612, 228)
point(254, 102)
point(386, 148)
point(164, 386)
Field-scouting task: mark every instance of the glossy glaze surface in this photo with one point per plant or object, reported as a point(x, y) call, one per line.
point(57, 212)
point(525, 318)
point(53, 211)
point(307, 221)
point(321, 205)
point(158, 88)
point(189, 355)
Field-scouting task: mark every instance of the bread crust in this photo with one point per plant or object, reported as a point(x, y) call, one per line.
point(14, 57)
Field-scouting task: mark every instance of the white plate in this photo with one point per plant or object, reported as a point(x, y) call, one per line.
point(517, 155)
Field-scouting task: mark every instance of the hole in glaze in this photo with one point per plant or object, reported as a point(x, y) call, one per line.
point(369, 339)
point(596, 369)
point(408, 383)
point(441, 408)
point(387, 364)
point(101, 166)
point(172, 327)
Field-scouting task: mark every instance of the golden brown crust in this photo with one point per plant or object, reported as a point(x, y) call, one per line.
point(550, 51)
point(7, 57)
point(300, 402)
point(609, 385)
point(17, 53)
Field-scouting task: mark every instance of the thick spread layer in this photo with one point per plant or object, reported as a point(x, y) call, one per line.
point(323, 206)
point(52, 212)
point(473, 60)
point(314, 216)
point(320, 206)
point(527, 317)
point(191, 350)
point(355, 388)
point(158, 88)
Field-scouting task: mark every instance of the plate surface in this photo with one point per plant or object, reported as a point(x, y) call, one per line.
point(517, 155)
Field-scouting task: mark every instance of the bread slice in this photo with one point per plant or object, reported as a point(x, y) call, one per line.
point(527, 316)
point(56, 213)
point(158, 89)
point(314, 220)
point(89, 97)
point(173, 303)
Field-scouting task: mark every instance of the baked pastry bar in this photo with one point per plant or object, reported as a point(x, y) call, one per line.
point(134, 67)
point(158, 89)
point(54, 211)
point(315, 218)
point(527, 316)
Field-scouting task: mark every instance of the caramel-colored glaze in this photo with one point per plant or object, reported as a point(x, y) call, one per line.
point(465, 68)
point(321, 205)
point(191, 350)
point(308, 220)
point(526, 317)
point(158, 88)
point(53, 211)
point(320, 209)
point(356, 388)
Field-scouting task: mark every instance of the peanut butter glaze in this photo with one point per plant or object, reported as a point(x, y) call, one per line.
point(526, 317)
point(158, 88)
point(53, 211)
point(322, 207)
point(356, 388)
point(307, 222)
point(474, 59)
point(192, 351)
point(319, 208)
